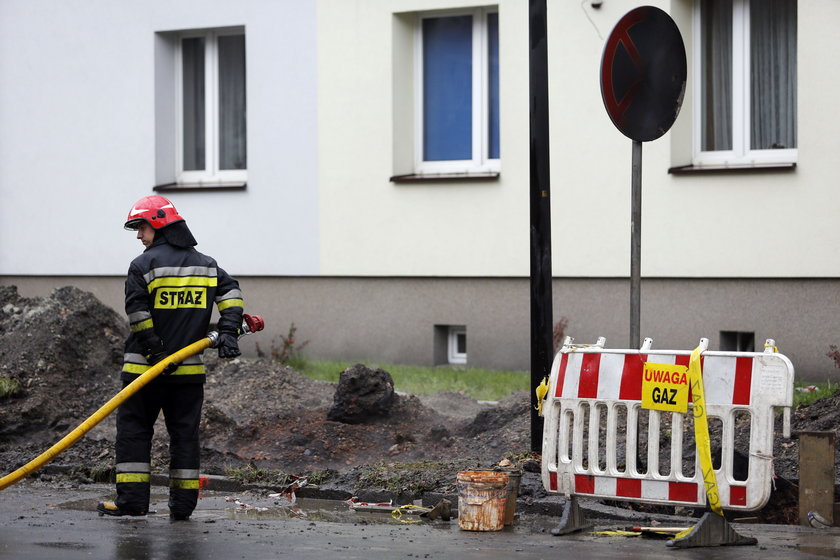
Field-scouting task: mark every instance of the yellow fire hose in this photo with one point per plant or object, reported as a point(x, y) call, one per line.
point(104, 411)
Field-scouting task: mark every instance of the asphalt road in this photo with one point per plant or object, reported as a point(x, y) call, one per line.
point(42, 522)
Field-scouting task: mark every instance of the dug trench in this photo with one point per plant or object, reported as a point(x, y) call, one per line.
point(59, 361)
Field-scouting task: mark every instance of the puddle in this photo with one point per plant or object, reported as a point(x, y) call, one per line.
point(226, 506)
point(214, 506)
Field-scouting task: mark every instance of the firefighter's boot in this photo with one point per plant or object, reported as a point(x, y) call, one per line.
point(110, 508)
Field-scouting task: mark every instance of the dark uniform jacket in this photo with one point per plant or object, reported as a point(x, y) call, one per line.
point(169, 297)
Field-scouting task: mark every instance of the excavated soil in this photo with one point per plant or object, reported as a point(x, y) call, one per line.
point(65, 352)
point(62, 354)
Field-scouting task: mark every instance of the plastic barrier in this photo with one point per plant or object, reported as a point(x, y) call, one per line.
point(599, 441)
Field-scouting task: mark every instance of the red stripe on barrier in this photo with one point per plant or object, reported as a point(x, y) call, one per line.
point(628, 487)
point(588, 382)
point(737, 495)
point(743, 381)
point(552, 481)
point(584, 484)
point(682, 492)
point(631, 377)
point(561, 375)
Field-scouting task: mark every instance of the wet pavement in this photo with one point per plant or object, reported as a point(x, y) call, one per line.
point(39, 521)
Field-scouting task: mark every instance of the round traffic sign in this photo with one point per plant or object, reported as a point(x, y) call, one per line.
point(643, 73)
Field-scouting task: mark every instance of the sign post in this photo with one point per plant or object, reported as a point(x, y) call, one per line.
point(636, 245)
point(542, 351)
point(643, 77)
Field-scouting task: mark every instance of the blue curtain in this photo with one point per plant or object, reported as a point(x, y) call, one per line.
point(447, 88)
point(493, 85)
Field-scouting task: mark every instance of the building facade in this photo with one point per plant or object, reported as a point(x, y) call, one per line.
point(362, 166)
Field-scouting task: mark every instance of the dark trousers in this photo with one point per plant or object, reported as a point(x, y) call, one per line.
point(181, 406)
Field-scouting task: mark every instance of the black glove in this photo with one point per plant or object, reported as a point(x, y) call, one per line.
point(228, 345)
point(160, 354)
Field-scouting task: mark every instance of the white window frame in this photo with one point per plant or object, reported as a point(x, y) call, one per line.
point(211, 175)
point(480, 162)
point(453, 356)
point(740, 155)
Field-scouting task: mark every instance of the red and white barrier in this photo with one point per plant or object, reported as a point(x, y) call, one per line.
point(599, 442)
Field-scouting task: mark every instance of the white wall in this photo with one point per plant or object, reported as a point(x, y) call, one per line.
point(371, 226)
point(77, 147)
point(77, 141)
point(755, 224)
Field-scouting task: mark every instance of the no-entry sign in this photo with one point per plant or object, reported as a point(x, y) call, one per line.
point(643, 73)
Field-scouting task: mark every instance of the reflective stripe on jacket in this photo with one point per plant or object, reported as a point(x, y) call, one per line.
point(169, 297)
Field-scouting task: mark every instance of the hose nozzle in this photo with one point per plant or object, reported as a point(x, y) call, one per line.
point(250, 324)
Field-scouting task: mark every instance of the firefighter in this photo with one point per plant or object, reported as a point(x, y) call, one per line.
point(169, 296)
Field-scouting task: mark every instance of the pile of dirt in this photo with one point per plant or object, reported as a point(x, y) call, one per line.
point(61, 355)
point(58, 359)
point(64, 352)
point(270, 416)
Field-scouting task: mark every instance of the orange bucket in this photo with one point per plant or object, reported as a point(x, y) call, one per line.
point(482, 497)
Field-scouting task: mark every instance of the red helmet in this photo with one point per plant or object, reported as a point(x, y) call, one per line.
point(155, 210)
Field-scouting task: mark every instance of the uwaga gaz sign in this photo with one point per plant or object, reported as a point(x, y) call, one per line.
point(665, 387)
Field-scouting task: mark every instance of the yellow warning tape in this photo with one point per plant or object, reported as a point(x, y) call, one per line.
point(397, 513)
point(701, 431)
point(542, 391)
point(684, 533)
point(616, 533)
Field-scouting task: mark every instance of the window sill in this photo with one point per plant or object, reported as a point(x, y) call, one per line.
point(444, 177)
point(180, 187)
point(756, 168)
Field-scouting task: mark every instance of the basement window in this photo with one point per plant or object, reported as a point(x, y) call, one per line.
point(457, 346)
point(737, 341)
point(450, 345)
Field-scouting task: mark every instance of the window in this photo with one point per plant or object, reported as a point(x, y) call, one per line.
point(210, 108)
point(450, 345)
point(457, 89)
point(737, 341)
point(745, 82)
point(457, 347)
